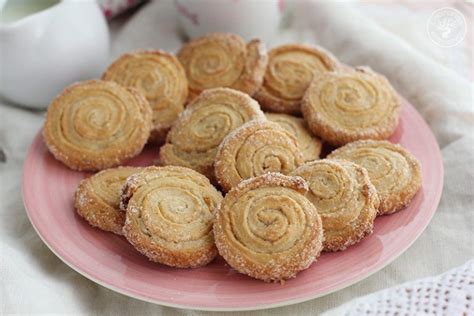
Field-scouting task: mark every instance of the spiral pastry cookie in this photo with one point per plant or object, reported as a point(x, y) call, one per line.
point(194, 138)
point(289, 72)
point(345, 106)
point(96, 124)
point(159, 77)
point(345, 199)
point(223, 60)
point(169, 215)
point(266, 228)
point(309, 145)
point(253, 149)
point(97, 198)
point(395, 173)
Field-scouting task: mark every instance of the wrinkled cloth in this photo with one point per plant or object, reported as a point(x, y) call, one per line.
point(34, 280)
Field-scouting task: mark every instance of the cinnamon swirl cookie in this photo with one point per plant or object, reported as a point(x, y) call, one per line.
point(223, 60)
point(345, 199)
point(97, 198)
point(289, 72)
point(253, 149)
point(158, 76)
point(194, 138)
point(97, 124)
point(169, 215)
point(349, 105)
point(394, 172)
point(266, 228)
point(309, 145)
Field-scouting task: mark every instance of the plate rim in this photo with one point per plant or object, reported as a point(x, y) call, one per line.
point(225, 309)
point(362, 276)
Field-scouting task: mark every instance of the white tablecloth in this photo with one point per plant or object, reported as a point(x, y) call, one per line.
point(390, 38)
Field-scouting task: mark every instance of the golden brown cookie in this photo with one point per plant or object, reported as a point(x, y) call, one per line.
point(97, 198)
point(345, 199)
point(350, 105)
point(395, 173)
point(170, 213)
point(253, 149)
point(223, 60)
point(309, 145)
point(194, 138)
point(266, 228)
point(159, 77)
point(94, 125)
point(289, 72)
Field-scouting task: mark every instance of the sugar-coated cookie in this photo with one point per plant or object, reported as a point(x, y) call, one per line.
point(169, 215)
point(345, 106)
point(223, 60)
point(255, 148)
point(395, 173)
point(266, 228)
point(97, 198)
point(289, 72)
point(309, 145)
point(345, 199)
point(194, 138)
point(159, 77)
point(94, 125)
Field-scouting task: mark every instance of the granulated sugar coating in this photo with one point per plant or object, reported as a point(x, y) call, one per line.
point(78, 134)
point(193, 140)
point(169, 215)
point(395, 173)
point(267, 229)
point(255, 148)
point(345, 199)
point(97, 198)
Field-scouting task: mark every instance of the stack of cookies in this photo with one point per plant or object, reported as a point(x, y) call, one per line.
point(232, 179)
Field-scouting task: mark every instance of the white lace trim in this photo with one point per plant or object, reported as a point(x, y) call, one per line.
point(451, 293)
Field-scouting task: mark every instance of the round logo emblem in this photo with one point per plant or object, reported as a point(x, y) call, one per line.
point(447, 27)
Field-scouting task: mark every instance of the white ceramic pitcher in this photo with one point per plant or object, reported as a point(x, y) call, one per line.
point(47, 50)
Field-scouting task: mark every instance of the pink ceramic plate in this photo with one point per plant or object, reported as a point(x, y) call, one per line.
point(109, 260)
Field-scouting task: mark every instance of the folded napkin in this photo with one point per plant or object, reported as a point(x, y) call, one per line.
point(33, 280)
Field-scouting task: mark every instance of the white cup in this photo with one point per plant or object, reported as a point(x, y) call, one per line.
point(248, 18)
point(45, 51)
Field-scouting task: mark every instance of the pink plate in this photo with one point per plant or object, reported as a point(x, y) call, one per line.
point(109, 260)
